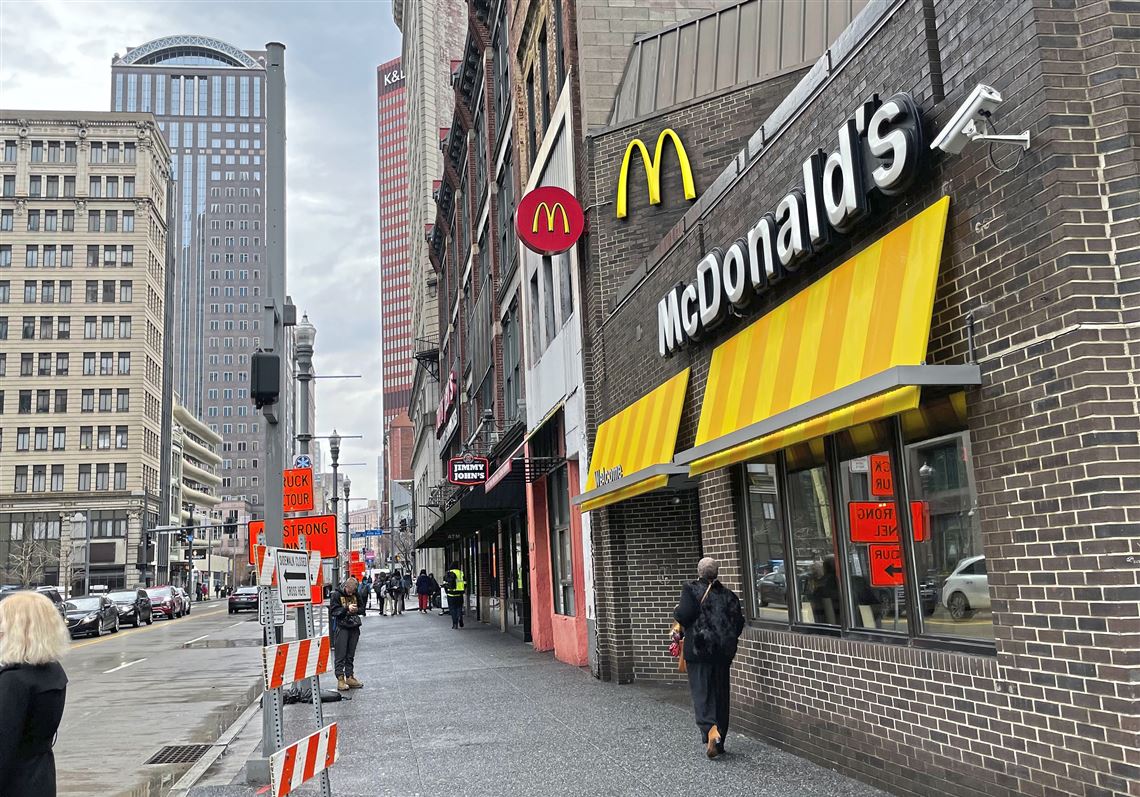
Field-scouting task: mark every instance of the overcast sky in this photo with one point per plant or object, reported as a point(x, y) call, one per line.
point(57, 55)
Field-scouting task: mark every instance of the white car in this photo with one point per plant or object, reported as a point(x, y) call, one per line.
point(967, 589)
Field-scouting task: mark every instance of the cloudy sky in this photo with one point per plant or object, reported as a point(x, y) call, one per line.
point(57, 55)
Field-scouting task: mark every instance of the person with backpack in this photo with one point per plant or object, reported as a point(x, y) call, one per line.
point(378, 586)
point(711, 622)
point(396, 590)
point(346, 611)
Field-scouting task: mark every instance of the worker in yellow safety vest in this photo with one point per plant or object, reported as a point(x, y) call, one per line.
point(453, 584)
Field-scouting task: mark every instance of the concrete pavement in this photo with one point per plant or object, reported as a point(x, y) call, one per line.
point(474, 712)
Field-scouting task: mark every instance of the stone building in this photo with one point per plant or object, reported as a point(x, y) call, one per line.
point(84, 217)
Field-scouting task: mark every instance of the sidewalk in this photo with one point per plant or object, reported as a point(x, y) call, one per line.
point(476, 712)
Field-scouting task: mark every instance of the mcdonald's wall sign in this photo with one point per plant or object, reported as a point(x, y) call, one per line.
point(549, 220)
point(653, 170)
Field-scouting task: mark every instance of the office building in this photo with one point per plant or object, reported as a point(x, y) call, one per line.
point(433, 34)
point(395, 300)
point(209, 98)
point(83, 226)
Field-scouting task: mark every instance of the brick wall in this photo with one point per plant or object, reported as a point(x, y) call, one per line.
point(1043, 253)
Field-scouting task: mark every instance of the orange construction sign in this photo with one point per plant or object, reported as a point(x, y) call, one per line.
point(875, 521)
point(886, 565)
point(319, 531)
point(298, 495)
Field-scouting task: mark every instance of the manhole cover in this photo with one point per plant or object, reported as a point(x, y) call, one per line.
point(179, 754)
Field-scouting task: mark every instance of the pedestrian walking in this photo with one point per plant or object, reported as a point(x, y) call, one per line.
point(454, 585)
point(364, 592)
point(423, 590)
point(436, 595)
point(379, 587)
point(344, 609)
point(711, 621)
point(396, 590)
point(218, 591)
point(33, 689)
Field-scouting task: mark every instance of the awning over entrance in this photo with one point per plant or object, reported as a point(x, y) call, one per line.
point(633, 452)
point(847, 349)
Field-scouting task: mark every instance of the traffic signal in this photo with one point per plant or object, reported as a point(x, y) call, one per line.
point(230, 527)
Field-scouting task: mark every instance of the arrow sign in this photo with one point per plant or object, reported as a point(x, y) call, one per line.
point(886, 565)
point(293, 576)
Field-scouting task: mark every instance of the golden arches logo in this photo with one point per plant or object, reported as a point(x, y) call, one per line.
point(551, 211)
point(653, 170)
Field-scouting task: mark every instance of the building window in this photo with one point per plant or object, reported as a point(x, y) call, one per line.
point(83, 483)
point(561, 558)
point(59, 438)
point(20, 484)
point(39, 478)
point(102, 481)
point(120, 476)
point(57, 478)
point(85, 438)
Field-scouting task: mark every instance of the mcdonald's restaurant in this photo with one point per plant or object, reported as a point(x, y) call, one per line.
point(863, 328)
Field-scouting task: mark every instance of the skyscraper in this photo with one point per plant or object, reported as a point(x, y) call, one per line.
point(209, 97)
point(395, 288)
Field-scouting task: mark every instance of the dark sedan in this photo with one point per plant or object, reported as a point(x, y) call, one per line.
point(95, 614)
point(243, 598)
point(133, 606)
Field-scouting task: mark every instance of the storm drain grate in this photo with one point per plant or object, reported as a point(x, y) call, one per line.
point(179, 754)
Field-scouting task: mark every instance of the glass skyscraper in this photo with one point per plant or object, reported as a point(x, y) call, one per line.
point(209, 97)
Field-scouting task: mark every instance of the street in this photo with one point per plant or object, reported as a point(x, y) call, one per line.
point(129, 694)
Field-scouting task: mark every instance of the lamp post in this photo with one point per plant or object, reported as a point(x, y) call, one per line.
point(347, 536)
point(334, 451)
point(304, 336)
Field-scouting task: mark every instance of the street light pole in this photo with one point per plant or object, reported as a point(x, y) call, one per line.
point(334, 451)
point(347, 537)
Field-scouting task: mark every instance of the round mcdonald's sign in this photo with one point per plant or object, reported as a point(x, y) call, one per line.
point(549, 220)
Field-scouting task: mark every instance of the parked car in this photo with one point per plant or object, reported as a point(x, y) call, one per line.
point(133, 606)
point(51, 592)
point(91, 614)
point(774, 589)
point(244, 598)
point(967, 589)
point(186, 600)
point(165, 602)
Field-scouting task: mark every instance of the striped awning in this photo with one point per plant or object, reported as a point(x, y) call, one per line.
point(633, 451)
point(846, 350)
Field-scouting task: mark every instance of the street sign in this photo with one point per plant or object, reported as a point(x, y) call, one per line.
point(293, 576)
point(319, 530)
point(270, 609)
point(302, 461)
point(298, 494)
point(875, 521)
point(886, 565)
point(467, 470)
point(356, 535)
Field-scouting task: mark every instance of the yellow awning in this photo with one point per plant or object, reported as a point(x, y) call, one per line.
point(633, 451)
point(845, 350)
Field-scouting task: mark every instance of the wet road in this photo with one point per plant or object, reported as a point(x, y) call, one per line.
point(171, 683)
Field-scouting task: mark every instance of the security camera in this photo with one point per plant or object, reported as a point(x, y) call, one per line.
point(969, 121)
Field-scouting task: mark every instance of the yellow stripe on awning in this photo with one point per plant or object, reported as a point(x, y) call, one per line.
point(635, 445)
point(865, 317)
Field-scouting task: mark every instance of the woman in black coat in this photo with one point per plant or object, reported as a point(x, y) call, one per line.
point(33, 688)
point(711, 620)
point(423, 590)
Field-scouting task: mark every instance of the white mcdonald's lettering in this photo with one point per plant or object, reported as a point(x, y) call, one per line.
point(877, 153)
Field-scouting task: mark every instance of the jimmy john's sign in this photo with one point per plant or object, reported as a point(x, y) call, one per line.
point(877, 152)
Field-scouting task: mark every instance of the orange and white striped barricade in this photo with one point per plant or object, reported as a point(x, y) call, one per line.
point(300, 762)
point(266, 566)
point(295, 661)
point(316, 578)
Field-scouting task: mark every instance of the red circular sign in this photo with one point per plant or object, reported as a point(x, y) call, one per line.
point(549, 220)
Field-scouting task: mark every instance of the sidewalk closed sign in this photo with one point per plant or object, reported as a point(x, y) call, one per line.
point(293, 576)
point(298, 494)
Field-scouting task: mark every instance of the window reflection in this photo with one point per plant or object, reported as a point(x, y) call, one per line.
point(766, 543)
point(813, 546)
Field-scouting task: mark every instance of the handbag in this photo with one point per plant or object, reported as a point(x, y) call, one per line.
point(677, 645)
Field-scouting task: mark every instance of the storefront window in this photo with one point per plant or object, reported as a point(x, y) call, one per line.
point(770, 590)
point(948, 551)
point(813, 545)
point(875, 573)
point(561, 560)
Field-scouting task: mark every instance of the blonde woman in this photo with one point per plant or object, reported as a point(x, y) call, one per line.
point(33, 688)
